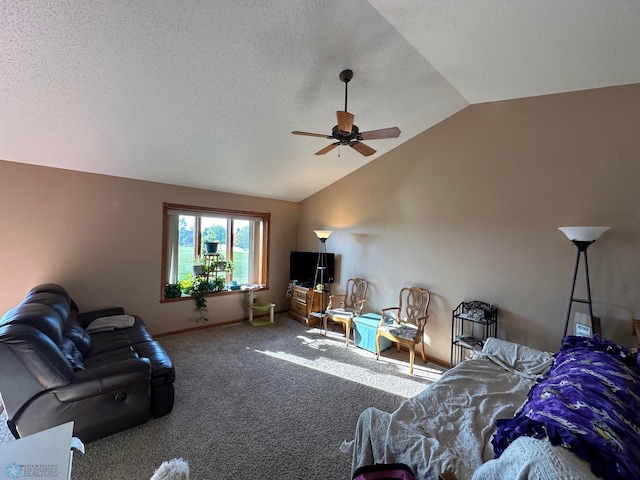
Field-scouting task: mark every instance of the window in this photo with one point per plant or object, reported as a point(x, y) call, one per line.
point(243, 239)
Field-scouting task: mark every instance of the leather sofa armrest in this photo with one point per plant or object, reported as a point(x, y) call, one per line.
point(85, 318)
point(97, 381)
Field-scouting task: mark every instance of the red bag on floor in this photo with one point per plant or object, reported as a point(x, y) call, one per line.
point(384, 471)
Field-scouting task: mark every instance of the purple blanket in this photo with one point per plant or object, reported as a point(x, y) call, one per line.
point(589, 402)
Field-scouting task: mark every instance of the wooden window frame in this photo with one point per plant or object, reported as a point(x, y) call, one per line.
point(262, 264)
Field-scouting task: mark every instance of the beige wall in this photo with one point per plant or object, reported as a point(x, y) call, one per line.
point(100, 237)
point(470, 208)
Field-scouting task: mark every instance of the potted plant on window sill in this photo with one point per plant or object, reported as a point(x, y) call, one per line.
point(186, 283)
point(172, 290)
point(211, 246)
point(224, 265)
point(218, 284)
point(198, 266)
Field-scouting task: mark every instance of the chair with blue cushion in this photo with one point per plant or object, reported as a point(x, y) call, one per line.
point(342, 308)
point(409, 319)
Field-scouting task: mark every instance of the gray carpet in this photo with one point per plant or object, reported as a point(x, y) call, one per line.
point(272, 402)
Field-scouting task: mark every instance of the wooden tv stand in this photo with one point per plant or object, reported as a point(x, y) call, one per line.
point(300, 307)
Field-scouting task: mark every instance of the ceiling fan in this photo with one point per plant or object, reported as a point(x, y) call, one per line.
point(346, 133)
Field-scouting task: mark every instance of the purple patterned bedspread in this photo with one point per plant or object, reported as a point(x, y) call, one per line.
point(589, 402)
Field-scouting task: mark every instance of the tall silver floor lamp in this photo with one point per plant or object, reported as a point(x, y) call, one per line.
point(581, 237)
point(322, 272)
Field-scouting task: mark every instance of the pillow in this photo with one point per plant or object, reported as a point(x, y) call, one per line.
point(589, 403)
point(106, 324)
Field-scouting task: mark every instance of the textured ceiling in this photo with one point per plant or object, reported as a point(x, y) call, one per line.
point(206, 93)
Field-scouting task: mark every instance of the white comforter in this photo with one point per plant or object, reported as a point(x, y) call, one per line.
point(449, 425)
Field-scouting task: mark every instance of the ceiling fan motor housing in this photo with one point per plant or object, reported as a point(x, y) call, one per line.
point(343, 137)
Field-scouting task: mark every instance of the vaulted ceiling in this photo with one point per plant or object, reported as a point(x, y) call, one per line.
point(206, 93)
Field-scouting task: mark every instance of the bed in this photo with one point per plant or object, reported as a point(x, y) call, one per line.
point(513, 412)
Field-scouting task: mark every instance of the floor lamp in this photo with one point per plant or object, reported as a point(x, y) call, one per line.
point(581, 237)
point(321, 268)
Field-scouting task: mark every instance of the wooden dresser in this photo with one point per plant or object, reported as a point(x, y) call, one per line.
point(300, 308)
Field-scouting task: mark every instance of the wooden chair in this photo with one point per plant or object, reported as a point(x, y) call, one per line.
point(350, 305)
point(409, 319)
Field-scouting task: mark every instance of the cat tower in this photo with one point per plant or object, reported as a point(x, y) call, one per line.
point(260, 307)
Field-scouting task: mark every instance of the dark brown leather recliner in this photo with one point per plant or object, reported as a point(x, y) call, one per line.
point(52, 370)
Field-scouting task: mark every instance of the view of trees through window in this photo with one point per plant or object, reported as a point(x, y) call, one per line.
point(214, 229)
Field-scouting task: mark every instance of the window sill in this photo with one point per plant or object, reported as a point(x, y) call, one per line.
point(213, 294)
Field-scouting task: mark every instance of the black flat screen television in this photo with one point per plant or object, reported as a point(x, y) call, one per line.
point(302, 268)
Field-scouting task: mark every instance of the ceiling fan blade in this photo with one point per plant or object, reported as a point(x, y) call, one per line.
point(312, 134)
point(345, 121)
point(327, 148)
point(393, 132)
point(362, 148)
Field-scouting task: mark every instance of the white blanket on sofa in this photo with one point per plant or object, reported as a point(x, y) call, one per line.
point(114, 322)
point(449, 425)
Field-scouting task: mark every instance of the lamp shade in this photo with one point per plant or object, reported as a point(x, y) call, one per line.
point(323, 234)
point(583, 234)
